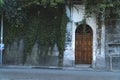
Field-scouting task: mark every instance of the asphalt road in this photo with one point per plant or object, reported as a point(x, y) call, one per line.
point(56, 74)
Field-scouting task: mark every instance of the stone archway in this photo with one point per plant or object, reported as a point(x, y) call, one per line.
point(83, 44)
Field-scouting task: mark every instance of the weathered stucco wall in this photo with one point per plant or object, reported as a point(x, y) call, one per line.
point(13, 54)
point(98, 54)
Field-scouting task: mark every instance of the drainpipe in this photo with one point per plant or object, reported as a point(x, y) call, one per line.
point(1, 44)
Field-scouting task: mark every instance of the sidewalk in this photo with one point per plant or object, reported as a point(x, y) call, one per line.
point(54, 73)
point(78, 68)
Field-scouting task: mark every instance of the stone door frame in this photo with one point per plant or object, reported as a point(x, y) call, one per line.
point(98, 53)
point(69, 53)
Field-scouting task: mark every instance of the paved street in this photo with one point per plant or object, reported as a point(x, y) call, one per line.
point(56, 74)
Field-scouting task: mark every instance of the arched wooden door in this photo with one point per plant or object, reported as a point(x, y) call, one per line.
point(83, 45)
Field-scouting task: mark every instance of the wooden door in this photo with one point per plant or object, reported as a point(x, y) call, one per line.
point(83, 46)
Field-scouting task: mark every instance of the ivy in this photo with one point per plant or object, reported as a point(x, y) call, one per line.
point(1, 2)
point(61, 34)
point(43, 21)
point(42, 25)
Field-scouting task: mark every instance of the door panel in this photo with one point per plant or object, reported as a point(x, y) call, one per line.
point(83, 48)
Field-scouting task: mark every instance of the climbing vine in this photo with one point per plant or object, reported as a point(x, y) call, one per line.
point(44, 25)
point(43, 21)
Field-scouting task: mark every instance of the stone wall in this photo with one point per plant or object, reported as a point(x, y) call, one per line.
point(13, 55)
point(112, 43)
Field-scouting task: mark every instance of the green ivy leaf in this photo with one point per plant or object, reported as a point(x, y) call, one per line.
point(1, 2)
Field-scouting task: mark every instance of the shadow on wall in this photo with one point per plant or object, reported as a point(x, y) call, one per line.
point(13, 55)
